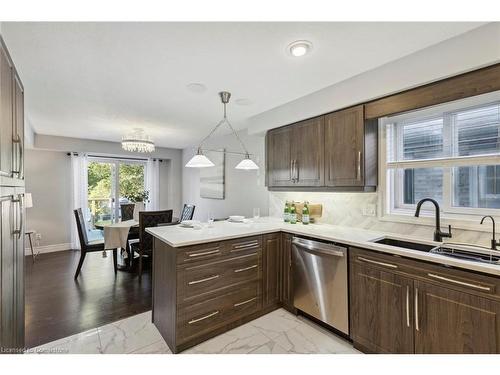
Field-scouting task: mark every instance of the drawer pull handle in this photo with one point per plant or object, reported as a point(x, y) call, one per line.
point(407, 305)
point(203, 280)
point(417, 326)
point(480, 287)
point(252, 244)
point(204, 253)
point(245, 302)
point(379, 263)
point(245, 269)
point(192, 321)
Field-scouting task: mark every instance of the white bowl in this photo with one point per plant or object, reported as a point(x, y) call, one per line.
point(190, 223)
point(236, 218)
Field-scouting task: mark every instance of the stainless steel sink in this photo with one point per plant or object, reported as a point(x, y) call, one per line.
point(405, 244)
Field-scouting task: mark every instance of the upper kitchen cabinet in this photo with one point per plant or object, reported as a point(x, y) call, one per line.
point(11, 121)
point(350, 149)
point(295, 154)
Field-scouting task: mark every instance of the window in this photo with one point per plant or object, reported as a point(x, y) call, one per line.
point(450, 153)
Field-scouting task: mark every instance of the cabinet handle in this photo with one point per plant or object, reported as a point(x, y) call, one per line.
point(203, 317)
point(379, 263)
point(19, 231)
point(19, 163)
point(204, 253)
point(291, 171)
point(251, 244)
point(358, 170)
point(296, 171)
point(475, 286)
point(417, 327)
point(203, 280)
point(407, 305)
point(245, 302)
point(245, 269)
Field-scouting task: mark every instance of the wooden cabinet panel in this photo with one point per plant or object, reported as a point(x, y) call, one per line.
point(279, 157)
point(6, 113)
point(286, 271)
point(381, 318)
point(18, 130)
point(344, 147)
point(450, 321)
point(308, 152)
point(271, 269)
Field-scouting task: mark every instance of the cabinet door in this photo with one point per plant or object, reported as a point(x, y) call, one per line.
point(344, 148)
point(6, 114)
point(18, 135)
point(271, 269)
point(286, 270)
point(308, 152)
point(381, 309)
point(450, 321)
point(279, 161)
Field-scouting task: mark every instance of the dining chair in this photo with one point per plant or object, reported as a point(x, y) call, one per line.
point(127, 211)
point(187, 212)
point(89, 246)
point(148, 219)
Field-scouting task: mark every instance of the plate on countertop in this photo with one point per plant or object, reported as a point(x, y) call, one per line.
point(189, 223)
point(236, 218)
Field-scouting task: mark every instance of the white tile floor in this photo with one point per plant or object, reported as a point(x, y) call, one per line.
point(277, 332)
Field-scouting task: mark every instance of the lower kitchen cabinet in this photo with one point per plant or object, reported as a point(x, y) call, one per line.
point(271, 269)
point(402, 305)
point(286, 272)
point(455, 322)
point(381, 306)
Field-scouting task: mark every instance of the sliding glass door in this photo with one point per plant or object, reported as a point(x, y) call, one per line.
point(111, 182)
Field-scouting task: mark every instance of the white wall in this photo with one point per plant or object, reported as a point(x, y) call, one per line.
point(244, 189)
point(48, 178)
point(472, 50)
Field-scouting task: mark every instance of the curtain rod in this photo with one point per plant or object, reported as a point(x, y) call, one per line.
point(115, 157)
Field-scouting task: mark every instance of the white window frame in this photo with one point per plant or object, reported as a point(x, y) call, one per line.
point(460, 217)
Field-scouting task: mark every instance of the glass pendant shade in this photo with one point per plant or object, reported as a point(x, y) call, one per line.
point(247, 164)
point(199, 161)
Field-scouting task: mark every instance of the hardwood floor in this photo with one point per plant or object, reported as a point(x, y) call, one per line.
point(58, 306)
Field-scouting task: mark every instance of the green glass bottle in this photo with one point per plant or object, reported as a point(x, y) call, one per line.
point(305, 213)
point(293, 214)
point(286, 213)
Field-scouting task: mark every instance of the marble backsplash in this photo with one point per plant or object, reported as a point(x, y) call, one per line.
point(346, 209)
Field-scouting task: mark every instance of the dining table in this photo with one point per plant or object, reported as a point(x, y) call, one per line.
point(116, 236)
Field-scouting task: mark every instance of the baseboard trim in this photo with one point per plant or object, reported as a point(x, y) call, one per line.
point(48, 248)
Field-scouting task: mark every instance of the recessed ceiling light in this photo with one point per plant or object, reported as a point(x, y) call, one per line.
point(299, 48)
point(243, 101)
point(197, 88)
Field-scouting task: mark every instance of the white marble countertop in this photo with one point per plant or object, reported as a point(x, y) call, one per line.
point(177, 236)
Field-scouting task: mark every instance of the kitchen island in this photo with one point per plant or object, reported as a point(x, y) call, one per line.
point(210, 280)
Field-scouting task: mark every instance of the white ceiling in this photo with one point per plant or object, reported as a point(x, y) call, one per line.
point(100, 80)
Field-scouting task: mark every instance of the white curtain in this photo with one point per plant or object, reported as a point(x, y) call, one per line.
point(153, 184)
point(79, 193)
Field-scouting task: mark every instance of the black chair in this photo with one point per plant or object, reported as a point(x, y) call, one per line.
point(88, 246)
point(148, 219)
point(187, 212)
point(127, 211)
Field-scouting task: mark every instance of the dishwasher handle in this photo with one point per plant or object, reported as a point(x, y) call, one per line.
point(319, 248)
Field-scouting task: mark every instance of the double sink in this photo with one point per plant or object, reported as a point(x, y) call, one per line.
point(464, 252)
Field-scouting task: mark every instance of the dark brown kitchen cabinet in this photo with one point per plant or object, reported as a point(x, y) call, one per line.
point(450, 321)
point(380, 309)
point(401, 305)
point(286, 272)
point(295, 155)
point(350, 149)
point(271, 269)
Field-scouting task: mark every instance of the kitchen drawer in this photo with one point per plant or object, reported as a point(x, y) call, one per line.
point(456, 278)
point(198, 319)
point(205, 252)
point(243, 245)
point(198, 280)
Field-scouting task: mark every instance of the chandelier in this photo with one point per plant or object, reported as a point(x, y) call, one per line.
point(201, 161)
point(138, 141)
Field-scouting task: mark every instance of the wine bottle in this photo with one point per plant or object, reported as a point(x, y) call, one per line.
point(286, 213)
point(293, 214)
point(305, 213)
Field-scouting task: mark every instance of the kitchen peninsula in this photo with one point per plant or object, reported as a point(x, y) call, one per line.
point(210, 280)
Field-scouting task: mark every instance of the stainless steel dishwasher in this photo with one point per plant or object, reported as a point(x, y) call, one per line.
point(320, 281)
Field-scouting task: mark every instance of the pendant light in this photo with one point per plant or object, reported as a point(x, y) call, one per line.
point(201, 161)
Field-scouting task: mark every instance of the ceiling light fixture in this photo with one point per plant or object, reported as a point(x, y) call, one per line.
point(299, 48)
point(201, 161)
point(138, 141)
point(197, 88)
